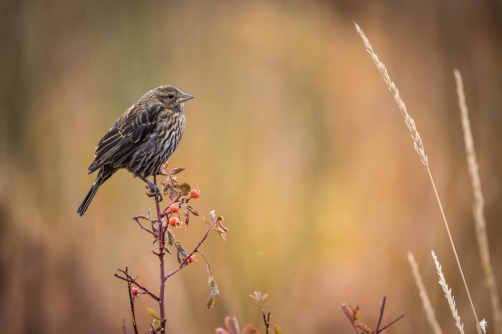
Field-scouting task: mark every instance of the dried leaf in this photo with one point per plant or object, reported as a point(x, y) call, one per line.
point(250, 329)
point(349, 312)
point(193, 211)
point(213, 293)
point(153, 313)
point(232, 325)
point(168, 250)
point(357, 312)
point(155, 227)
point(212, 215)
point(170, 237)
point(163, 171)
point(222, 230)
point(184, 209)
point(181, 254)
point(149, 214)
point(163, 168)
point(181, 225)
point(256, 296)
point(365, 328)
point(165, 185)
point(177, 170)
point(183, 188)
point(277, 329)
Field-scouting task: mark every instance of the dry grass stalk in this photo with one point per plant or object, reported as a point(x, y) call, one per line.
point(410, 123)
point(448, 294)
point(429, 311)
point(420, 150)
point(478, 207)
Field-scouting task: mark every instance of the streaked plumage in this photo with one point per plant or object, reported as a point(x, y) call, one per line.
point(142, 139)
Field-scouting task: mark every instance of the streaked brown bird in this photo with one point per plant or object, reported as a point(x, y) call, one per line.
point(141, 140)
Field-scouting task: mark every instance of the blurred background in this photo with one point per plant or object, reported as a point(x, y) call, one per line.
point(293, 137)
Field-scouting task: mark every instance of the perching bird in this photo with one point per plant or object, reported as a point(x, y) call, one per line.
point(141, 140)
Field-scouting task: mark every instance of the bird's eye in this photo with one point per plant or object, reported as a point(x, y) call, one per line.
point(170, 96)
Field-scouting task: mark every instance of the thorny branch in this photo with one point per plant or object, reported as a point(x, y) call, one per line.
point(353, 315)
point(131, 300)
point(130, 279)
point(185, 260)
point(180, 195)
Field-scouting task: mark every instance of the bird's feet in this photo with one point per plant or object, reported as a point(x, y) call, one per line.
point(154, 190)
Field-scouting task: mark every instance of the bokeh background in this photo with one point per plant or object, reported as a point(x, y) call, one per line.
point(293, 137)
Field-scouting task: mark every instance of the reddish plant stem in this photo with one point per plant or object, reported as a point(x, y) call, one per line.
point(207, 263)
point(384, 328)
point(172, 202)
point(161, 240)
point(132, 307)
point(185, 261)
point(266, 320)
point(382, 307)
point(132, 280)
point(137, 218)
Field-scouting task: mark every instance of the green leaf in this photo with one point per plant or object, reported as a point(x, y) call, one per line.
point(153, 314)
point(277, 329)
point(183, 188)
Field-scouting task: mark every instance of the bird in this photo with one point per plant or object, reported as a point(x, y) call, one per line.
point(141, 140)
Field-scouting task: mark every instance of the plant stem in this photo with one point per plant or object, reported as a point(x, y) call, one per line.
point(454, 250)
point(132, 306)
point(161, 241)
point(137, 218)
point(377, 330)
point(185, 261)
point(393, 322)
point(128, 278)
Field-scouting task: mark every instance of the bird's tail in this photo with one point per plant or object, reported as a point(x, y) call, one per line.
point(100, 179)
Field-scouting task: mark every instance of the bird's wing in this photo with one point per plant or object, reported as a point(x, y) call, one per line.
point(128, 133)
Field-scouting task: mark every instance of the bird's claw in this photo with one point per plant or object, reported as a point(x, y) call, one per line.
point(152, 191)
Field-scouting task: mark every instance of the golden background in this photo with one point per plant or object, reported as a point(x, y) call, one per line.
point(293, 137)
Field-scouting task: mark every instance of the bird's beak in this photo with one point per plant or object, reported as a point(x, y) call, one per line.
point(184, 97)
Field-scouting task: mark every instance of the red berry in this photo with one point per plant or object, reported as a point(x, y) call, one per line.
point(134, 291)
point(174, 207)
point(190, 259)
point(173, 221)
point(195, 193)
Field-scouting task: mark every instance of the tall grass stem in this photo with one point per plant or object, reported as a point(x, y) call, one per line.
point(478, 206)
point(429, 310)
point(419, 148)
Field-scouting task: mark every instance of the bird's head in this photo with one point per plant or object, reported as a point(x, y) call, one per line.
point(170, 96)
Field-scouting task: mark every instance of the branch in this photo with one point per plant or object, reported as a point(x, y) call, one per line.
point(384, 328)
point(132, 308)
point(162, 241)
point(266, 320)
point(185, 261)
point(129, 279)
point(377, 330)
point(137, 218)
